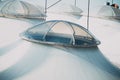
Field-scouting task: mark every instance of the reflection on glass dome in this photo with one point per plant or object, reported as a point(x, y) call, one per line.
point(108, 11)
point(20, 9)
point(59, 32)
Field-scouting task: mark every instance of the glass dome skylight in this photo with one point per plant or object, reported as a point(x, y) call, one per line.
point(109, 12)
point(59, 32)
point(20, 9)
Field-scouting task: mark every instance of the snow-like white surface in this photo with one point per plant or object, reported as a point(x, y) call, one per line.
point(23, 60)
point(107, 31)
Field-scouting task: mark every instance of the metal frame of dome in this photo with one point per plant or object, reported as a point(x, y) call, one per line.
point(20, 9)
point(39, 34)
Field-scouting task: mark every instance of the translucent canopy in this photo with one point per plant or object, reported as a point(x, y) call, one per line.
point(109, 11)
point(17, 8)
point(61, 33)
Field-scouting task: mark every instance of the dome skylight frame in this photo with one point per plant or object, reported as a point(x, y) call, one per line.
point(45, 33)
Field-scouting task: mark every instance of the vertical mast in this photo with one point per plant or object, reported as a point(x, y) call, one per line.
point(75, 2)
point(45, 8)
point(88, 14)
point(112, 1)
